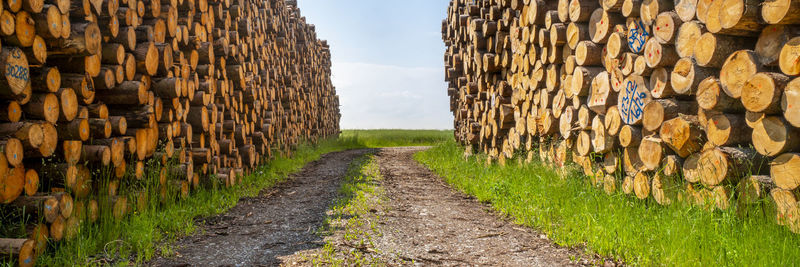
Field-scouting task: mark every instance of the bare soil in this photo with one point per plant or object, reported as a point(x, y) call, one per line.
point(280, 221)
point(422, 222)
point(431, 223)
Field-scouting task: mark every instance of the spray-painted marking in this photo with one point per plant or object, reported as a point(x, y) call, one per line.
point(637, 36)
point(632, 103)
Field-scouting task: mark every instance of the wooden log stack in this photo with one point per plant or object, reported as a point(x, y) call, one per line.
point(694, 101)
point(95, 95)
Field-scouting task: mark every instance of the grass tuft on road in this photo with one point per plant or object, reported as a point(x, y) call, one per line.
point(573, 213)
point(352, 222)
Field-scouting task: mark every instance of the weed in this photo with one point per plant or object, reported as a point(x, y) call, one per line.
point(351, 216)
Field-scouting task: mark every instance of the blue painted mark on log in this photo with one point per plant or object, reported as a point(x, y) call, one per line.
point(16, 71)
point(637, 36)
point(632, 103)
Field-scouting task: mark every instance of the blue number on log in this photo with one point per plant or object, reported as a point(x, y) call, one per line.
point(637, 36)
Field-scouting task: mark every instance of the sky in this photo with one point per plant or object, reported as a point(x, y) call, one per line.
point(387, 61)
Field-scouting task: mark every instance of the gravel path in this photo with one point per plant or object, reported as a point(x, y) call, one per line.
point(430, 223)
point(280, 221)
point(424, 222)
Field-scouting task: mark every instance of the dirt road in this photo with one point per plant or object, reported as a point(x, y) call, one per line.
point(279, 222)
point(424, 222)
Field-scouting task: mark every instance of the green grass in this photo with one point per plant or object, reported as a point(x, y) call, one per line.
point(394, 138)
point(136, 238)
point(139, 236)
point(573, 213)
point(352, 218)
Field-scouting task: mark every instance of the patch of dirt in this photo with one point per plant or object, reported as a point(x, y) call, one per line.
point(280, 221)
point(429, 223)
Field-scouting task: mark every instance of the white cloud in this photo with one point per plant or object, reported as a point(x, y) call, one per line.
point(383, 96)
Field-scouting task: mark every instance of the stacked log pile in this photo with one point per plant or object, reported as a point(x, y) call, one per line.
point(686, 100)
point(96, 94)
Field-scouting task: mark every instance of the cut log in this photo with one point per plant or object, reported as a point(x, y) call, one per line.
point(686, 76)
point(789, 57)
point(15, 72)
point(43, 106)
point(762, 92)
point(566, 122)
point(616, 46)
point(632, 99)
point(664, 188)
point(651, 152)
point(710, 96)
point(659, 55)
point(687, 37)
point(576, 32)
point(23, 249)
point(682, 134)
point(780, 11)
point(727, 164)
point(771, 41)
point(638, 34)
point(660, 86)
point(627, 185)
point(584, 78)
point(83, 39)
point(660, 110)
point(641, 185)
point(784, 170)
point(13, 150)
point(640, 66)
point(736, 70)
point(601, 25)
point(611, 162)
point(30, 134)
point(631, 162)
point(686, 9)
point(631, 8)
point(44, 206)
point(691, 168)
point(601, 94)
point(651, 8)
point(712, 50)
point(588, 53)
point(666, 27)
point(741, 15)
point(671, 165)
point(753, 191)
point(602, 142)
point(78, 129)
point(581, 11)
point(773, 136)
point(630, 135)
point(727, 130)
point(14, 181)
point(789, 100)
point(612, 121)
point(583, 143)
point(787, 207)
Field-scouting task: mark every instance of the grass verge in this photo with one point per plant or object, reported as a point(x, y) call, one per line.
point(137, 238)
point(564, 205)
